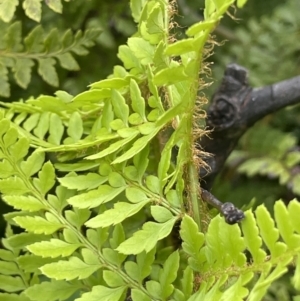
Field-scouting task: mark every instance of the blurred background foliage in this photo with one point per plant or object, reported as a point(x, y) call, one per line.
point(264, 37)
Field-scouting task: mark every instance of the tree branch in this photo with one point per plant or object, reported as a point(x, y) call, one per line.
point(235, 107)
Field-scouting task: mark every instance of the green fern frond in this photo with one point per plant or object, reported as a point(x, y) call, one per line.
point(227, 275)
point(32, 8)
point(265, 42)
point(268, 152)
point(19, 56)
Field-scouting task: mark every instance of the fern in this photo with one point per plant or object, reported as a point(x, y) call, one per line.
point(98, 218)
point(266, 42)
point(282, 243)
point(268, 152)
point(32, 8)
point(46, 49)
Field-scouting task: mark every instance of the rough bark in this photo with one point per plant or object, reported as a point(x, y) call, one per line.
point(235, 107)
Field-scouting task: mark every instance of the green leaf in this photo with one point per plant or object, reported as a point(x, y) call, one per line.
point(75, 127)
point(161, 214)
point(10, 137)
point(46, 178)
point(129, 59)
point(136, 7)
point(135, 195)
point(285, 226)
point(296, 276)
point(268, 232)
point(138, 102)
point(154, 288)
point(180, 47)
point(31, 263)
point(79, 166)
point(168, 274)
point(90, 257)
point(9, 268)
point(4, 86)
point(55, 5)
point(34, 40)
point(56, 129)
point(155, 21)
point(113, 256)
point(43, 125)
point(94, 95)
point(138, 295)
point(113, 147)
point(68, 270)
point(144, 262)
point(187, 281)
point(26, 203)
point(141, 162)
point(7, 9)
point(4, 126)
point(132, 270)
point(33, 9)
point(112, 279)
point(252, 239)
point(121, 109)
point(153, 184)
point(173, 198)
point(94, 198)
point(142, 49)
point(33, 164)
point(201, 26)
point(6, 255)
point(69, 235)
point(22, 71)
point(103, 293)
point(37, 224)
point(11, 284)
point(19, 241)
point(138, 145)
point(81, 182)
point(147, 238)
point(31, 122)
point(110, 83)
point(13, 186)
point(6, 170)
point(171, 75)
point(193, 240)
point(53, 248)
point(20, 149)
point(223, 236)
point(119, 213)
point(47, 71)
point(294, 210)
point(51, 291)
point(116, 180)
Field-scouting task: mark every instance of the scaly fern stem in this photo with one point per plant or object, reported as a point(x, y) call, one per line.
point(194, 193)
point(193, 175)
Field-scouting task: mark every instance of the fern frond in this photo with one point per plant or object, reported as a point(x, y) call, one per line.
point(32, 8)
point(19, 56)
point(227, 275)
point(268, 152)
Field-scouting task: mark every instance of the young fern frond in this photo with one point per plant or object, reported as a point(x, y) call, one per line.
point(45, 49)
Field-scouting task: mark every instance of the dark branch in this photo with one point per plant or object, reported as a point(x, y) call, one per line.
point(236, 107)
point(231, 214)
